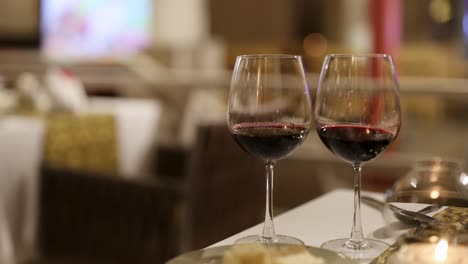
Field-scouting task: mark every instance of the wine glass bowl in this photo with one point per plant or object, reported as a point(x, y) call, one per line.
point(269, 115)
point(357, 117)
point(430, 182)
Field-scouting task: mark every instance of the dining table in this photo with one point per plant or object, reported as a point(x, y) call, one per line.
point(25, 140)
point(327, 217)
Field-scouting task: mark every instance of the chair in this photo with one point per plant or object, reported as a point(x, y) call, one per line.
point(226, 189)
point(87, 218)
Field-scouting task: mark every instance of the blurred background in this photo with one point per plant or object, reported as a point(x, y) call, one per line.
point(113, 138)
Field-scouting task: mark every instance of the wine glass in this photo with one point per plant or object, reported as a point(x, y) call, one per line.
point(357, 116)
point(430, 181)
point(269, 114)
point(430, 184)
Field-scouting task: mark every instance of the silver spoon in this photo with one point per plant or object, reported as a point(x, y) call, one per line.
point(406, 216)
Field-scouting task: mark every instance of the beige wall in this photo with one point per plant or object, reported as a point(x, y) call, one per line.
point(253, 21)
point(19, 17)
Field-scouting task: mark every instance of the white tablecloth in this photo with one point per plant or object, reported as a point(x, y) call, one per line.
point(21, 141)
point(325, 218)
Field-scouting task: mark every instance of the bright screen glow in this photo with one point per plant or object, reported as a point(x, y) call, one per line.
point(94, 29)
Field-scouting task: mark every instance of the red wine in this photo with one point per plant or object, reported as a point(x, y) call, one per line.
point(355, 143)
point(269, 141)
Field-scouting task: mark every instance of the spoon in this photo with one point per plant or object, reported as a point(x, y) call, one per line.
point(406, 216)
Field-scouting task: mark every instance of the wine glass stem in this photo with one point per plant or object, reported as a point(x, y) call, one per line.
point(268, 226)
point(357, 237)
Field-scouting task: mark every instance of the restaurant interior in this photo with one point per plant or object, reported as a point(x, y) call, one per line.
point(114, 142)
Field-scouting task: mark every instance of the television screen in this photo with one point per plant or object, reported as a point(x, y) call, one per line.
point(83, 30)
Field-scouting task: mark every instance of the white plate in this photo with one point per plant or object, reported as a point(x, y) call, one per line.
point(215, 256)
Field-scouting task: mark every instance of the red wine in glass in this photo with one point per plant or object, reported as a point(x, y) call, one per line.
point(267, 140)
point(354, 143)
point(358, 116)
point(269, 114)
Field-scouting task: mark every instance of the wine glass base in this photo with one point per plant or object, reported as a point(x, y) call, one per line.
point(278, 239)
point(367, 250)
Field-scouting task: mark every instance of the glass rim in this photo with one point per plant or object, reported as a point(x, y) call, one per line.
point(269, 56)
point(436, 160)
point(364, 55)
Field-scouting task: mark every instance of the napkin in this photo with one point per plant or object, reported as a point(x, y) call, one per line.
point(66, 90)
point(31, 93)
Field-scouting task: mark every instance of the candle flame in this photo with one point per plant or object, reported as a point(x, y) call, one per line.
point(414, 182)
point(433, 239)
point(464, 178)
point(434, 194)
point(441, 250)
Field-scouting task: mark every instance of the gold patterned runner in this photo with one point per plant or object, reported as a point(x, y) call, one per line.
point(457, 217)
point(86, 142)
point(82, 142)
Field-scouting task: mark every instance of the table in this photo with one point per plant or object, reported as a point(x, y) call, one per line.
point(324, 218)
point(21, 140)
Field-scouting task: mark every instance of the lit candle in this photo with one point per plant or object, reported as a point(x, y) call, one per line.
point(430, 253)
point(440, 252)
